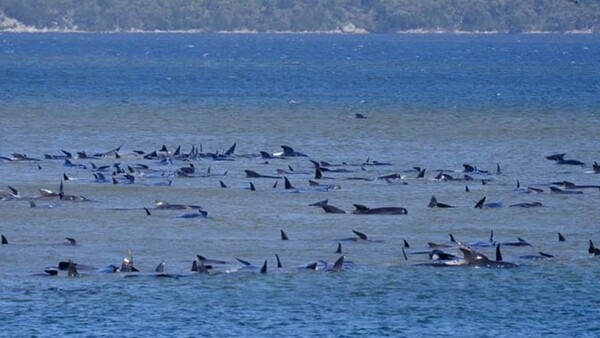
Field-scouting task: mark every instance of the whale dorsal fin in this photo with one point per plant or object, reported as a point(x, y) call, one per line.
point(71, 240)
point(279, 265)
point(160, 268)
point(331, 209)
point(246, 263)
point(561, 238)
point(338, 265)
point(361, 207)
point(251, 173)
point(72, 270)
point(472, 256)
point(284, 236)
point(263, 270)
point(318, 174)
point(432, 202)
point(231, 150)
point(498, 253)
point(339, 248)
point(468, 168)
point(406, 245)
point(312, 266)
point(288, 151)
point(452, 240)
point(360, 235)
point(479, 204)
point(421, 173)
point(4, 240)
point(287, 183)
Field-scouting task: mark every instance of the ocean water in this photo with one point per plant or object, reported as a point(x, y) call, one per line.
point(431, 101)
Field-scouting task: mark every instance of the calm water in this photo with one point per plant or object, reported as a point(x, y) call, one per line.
point(433, 101)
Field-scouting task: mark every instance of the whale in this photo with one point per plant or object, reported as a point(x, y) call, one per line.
point(571, 185)
point(311, 266)
point(20, 157)
point(249, 267)
point(360, 237)
point(254, 174)
point(474, 259)
point(65, 154)
point(593, 250)
point(526, 205)
point(9, 196)
point(434, 255)
point(364, 210)
point(289, 152)
point(540, 256)
point(560, 159)
point(492, 205)
point(369, 162)
point(324, 187)
point(48, 272)
point(159, 272)
point(199, 214)
point(433, 203)
point(330, 209)
point(163, 205)
point(520, 242)
point(127, 263)
point(556, 190)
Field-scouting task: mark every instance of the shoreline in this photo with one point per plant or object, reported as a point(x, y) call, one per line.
point(331, 32)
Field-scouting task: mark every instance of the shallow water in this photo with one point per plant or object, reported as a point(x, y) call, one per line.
point(432, 101)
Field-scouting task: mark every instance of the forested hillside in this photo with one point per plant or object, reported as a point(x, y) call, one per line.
point(374, 16)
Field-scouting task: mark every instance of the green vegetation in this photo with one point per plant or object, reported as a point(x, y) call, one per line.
point(375, 16)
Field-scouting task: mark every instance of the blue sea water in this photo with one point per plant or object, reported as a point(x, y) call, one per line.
point(433, 101)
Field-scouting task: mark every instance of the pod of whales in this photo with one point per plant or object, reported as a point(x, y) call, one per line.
point(174, 166)
point(360, 209)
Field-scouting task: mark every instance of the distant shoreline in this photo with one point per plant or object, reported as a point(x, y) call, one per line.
point(249, 32)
